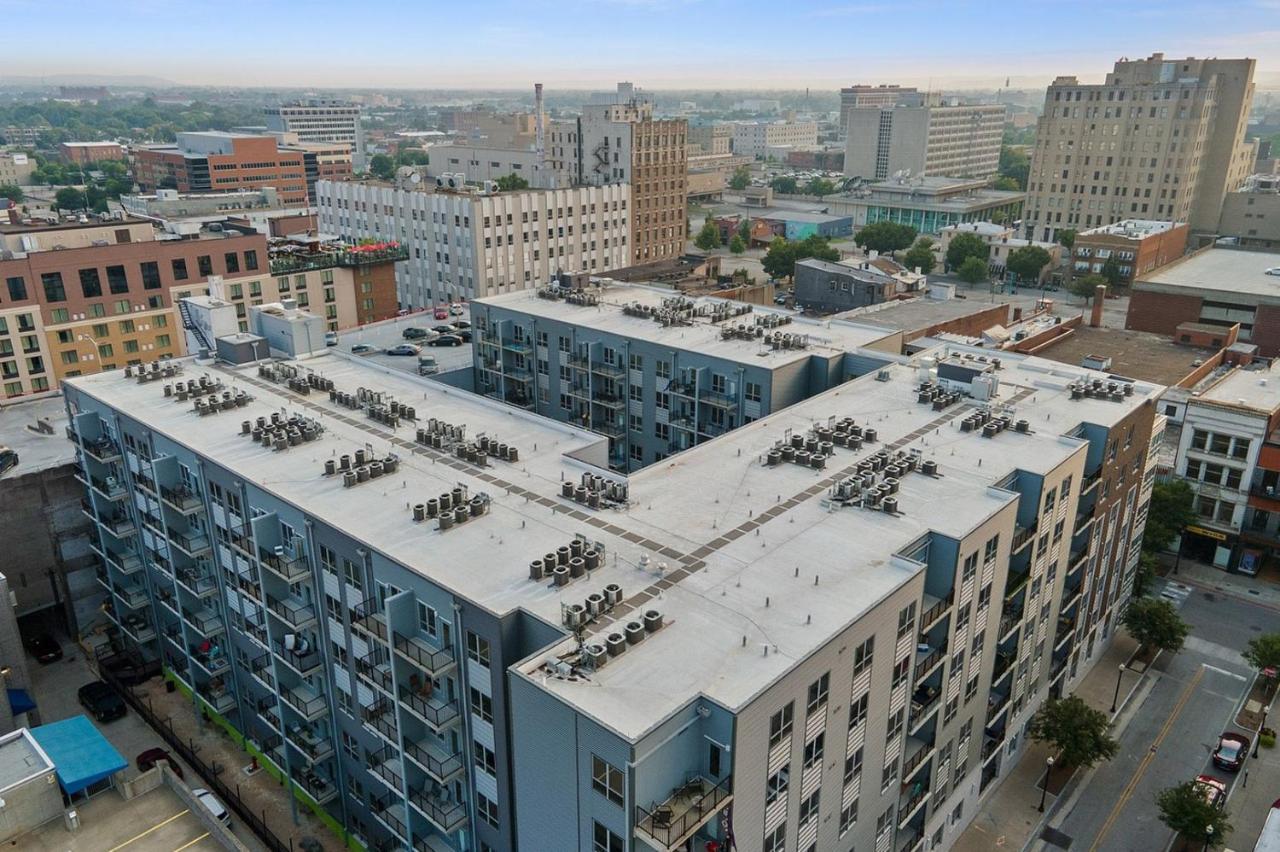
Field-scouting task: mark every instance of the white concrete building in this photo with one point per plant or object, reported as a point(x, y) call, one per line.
point(950, 140)
point(468, 243)
point(481, 163)
point(321, 121)
point(754, 138)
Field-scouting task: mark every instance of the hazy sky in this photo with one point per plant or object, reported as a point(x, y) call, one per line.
point(659, 44)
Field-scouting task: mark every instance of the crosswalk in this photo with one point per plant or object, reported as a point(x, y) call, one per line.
point(1175, 593)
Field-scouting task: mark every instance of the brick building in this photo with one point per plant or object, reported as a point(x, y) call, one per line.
point(214, 161)
point(1215, 286)
point(1140, 246)
point(86, 153)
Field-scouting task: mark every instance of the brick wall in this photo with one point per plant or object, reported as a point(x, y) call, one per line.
point(1266, 330)
point(1160, 313)
point(970, 325)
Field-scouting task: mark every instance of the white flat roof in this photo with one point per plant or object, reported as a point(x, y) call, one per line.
point(1252, 388)
point(36, 451)
point(1220, 269)
point(1135, 229)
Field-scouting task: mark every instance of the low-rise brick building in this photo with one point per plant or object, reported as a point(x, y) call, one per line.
point(1139, 246)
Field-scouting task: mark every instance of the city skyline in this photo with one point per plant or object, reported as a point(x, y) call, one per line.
point(663, 44)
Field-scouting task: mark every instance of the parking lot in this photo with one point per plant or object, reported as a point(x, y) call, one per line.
point(155, 820)
point(388, 333)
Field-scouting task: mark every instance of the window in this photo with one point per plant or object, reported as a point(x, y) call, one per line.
point(818, 691)
point(53, 289)
point(162, 341)
point(900, 670)
point(604, 840)
point(17, 288)
point(906, 620)
point(776, 841)
point(662, 369)
point(753, 391)
point(179, 269)
point(809, 807)
point(90, 283)
point(60, 315)
point(970, 567)
point(150, 275)
point(896, 722)
point(848, 817)
point(481, 705)
point(777, 785)
point(478, 649)
point(993, 547)
point(251, 260)
point(484, 758)
point(813, 750)
point(852, 766)
point(858, 710)
point(488, 809)
point(354, 576)
point(122, 306)
point(205, 264)
point(607, 780)
point(117, 280)
point(862, 656)
point(780, 724)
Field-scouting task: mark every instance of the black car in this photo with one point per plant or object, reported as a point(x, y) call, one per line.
point(446, 340)
point(461, 324)
point(464, 334)
point(413, 332)
point(44, 648)
point(102, 702)
point(442, 329)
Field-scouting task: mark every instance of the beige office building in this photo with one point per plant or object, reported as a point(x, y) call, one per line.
point(1159, 139)
point(862, 95)
point(947, 141)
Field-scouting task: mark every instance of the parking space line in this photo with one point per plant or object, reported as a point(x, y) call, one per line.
point(192, 843)
point(158, 825)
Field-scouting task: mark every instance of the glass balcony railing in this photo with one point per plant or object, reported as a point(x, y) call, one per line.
point(103, 450)
point(368, 618)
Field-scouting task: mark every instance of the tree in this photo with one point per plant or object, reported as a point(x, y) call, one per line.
point(885, 237)
point(972, 270)
point(510, 182)
point(744, 230)
point(920, 256)
point(1006, 184)
point(736, 245)
point(11, 192)
point(1186, 810)
point(1263, 651)
point(382, 166)
point(785, 185)
point(1067, 238)
point(1170, 510)
point(1085, 287)
point(412, 157)
point(964, 246)
point(1079, 733)
point(70, 198)
point(1014, 164)
point(1155, 624)
point(709, 237)
point(819, 187)
point(1027, 262)
point(740, 179)
point(1111, 272)
point(780, 260)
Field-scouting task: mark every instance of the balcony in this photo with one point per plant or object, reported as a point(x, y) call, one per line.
point(1077, 559)
point(1003, 665)
point(430, 708)
point(288, 566)
point(102, 450)
point(1070, 596)
point(350, 257)
point(202, 584)
point(432, 661)
point(204, 621)
point(194, 544)
point(612, 371)
point(138, 628)
point(914, 753)
point(909, 840)
point(924, 701)
point(1009, 621)
point(389, 811)
point(210, 658)
point(314, 747)
point(308, 703)
point(375, 668)
point(303, 658)
point(269, 713)
point(240, 536)
point(931, 613)
point(292, 611)
point(996, 703)
point(256, 628)
point(386, 765)
point(1084, 518)
point(133, 597)
point(219, 698)
point(436, 761)
point(367, 618)
point(181, 499)
point(1016, 585)
point(927, 661)
point(315, 786)
point(119, 524)
point(1090, 481)
point(110, 488)
point(125, 563)
point(445, 815)
point(915, 796)
point(669, 825)
point(380, 717)
point(1023, 536)
point(260, 668)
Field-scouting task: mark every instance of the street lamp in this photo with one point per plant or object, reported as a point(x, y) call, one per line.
point(1208, 830)
point(1115, 699)
point(1257, 739)
point(1048, 768)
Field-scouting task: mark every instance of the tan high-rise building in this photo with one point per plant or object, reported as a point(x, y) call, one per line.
point(1159, 139)
point(863, 95)
point(945, 140)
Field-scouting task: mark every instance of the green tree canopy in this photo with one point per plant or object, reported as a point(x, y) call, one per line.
point(70, 198)
point(412, 157)
point(1170, 511)
point(920, 256)
point(1264, 651)
point(1186, 810)
point(740, 179)
point(785, 185)
point(1006, 184)
point(1155, 624)
point(744, 230)
point(819, 187)
point(1079, 733)
point(963, 246)
point(1067, 237)
point(708, 238)
point(972, 270)
point(1111, 271)
point(11, 192)
point(885, 237)
point(780, 260)
point(736, 245)
point(382, 166)
point(510, 182)
point(1027, 261)
point(1014, 164)
point(1085, 288)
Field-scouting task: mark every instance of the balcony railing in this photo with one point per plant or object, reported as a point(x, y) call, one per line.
point(431, 709)
point(996, 704)
point(918, 793)
point(386, 764)
point(690, 806)
point(391, 814)
point(916, 751)
point(309, 703)
point(133, 597)
point(717, 399)
point(125, 563)
point(350, 257)
point(438, 763)
point(381, 717)
point(103, 450)
point(204, 621)
point(1016, 585)
point(1077, 559)
point(304, 662)
point(288, 565)
point(219, 697)
point(445, 815)
point(292, 611)
point(191, 543)
point(199, 583)
point(112, 489)
point(368, 618)
point(119, 525)
point(1003, 665)
point(923, 702)
point(315, 747)
point(930, 616)
point(1090, 480)
point(181, 498)
point(1022, 535)
point(926, 660)
point(376, 669)
point(260, 668)
point(418, 652)
point(318, 788)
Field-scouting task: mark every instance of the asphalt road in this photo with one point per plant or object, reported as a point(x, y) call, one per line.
point(1193, 697)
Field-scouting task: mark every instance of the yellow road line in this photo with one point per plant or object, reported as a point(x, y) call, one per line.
point(137, 837)
point(192, 843)
point(1146, 761)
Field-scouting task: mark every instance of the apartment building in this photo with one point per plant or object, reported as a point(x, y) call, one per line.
point(514, 646)
point(1250, 215)
point(1158, 139)
point(1217, 286)
point(951, 140)
point(27, 137)
point(214, 161)
point(1228, 454)
point(862, 95)
point(597, 357)
point(712, 139)
point(755, 138)
point(16, 168)
point(623, 143)
point(467, 243)
point(321, 120)
point(1140, 246)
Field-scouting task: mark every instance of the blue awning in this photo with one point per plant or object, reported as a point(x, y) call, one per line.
point(20, 701)
point(80, 753)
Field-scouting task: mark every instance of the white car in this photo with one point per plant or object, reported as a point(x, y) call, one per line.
point(212, 805)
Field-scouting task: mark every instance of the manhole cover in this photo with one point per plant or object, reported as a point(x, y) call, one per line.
point(1056, 838)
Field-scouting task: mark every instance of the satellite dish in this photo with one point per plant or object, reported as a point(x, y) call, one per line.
point(415, 178)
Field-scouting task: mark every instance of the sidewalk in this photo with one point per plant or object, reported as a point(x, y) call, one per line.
point(1262, 590)
point(1010, 817)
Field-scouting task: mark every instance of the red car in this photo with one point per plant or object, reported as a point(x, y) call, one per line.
point(148, 759)
point(441, 313)
point(1215, 790)
point(1231, 751)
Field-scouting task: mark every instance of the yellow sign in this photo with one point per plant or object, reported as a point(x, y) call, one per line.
point(1214, 534)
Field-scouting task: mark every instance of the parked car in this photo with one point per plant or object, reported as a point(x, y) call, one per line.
point(464, 333)
point(443, 329)
point(44, 648)
point(331, 338)
point(363, 349)
point(461, 324)
point(404, 349)
point(1231, 751)
point(148, 758)
point(102, 702)
point(440, 313)
point(414, 332)
point(1215, 790)
point(8, 459)
point(213, 806)
point(427, 365)
point(446, 340)
point(780, 299)
point(456, 309)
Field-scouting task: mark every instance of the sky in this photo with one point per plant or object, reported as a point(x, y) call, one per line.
point(658, 44)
